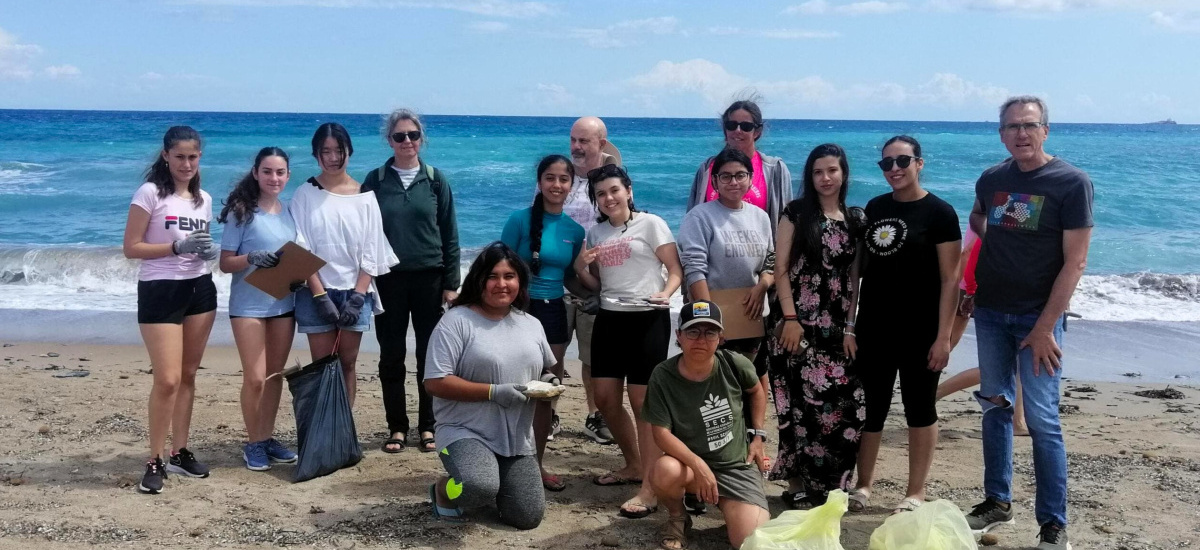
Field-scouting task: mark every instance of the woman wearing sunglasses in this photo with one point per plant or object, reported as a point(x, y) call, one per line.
point(906, 312)
point(623, 259)
point(771, 186)
point(418, 218)
point(548, 241)
point(817, 387)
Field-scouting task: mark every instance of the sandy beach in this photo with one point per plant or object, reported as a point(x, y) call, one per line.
point(74, 447)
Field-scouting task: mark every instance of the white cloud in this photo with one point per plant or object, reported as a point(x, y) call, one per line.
point(16, 57)
point(61, 71)
point(716, 86)
point(152, 76)
point(824, 7)
point(626, 33)
point(486, 8)
point(553, 94)
point(1177, 22)
point(1056, 6)
point(488, 26)
point(778, 34)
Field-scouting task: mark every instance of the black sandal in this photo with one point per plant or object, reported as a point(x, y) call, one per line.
point(428, 445)
point(393, 441)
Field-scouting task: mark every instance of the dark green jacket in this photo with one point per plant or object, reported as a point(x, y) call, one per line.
point(419, 224)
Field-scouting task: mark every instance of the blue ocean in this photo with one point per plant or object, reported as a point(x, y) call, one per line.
point(66, 178)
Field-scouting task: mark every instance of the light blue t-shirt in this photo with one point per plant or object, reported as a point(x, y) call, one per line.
point(264, 232)
point(561, 239)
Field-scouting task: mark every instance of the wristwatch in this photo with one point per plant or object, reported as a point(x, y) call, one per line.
point(750, 433)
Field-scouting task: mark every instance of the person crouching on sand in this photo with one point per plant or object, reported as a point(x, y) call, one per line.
point(694, 404)
point(256, 225)
point(481, 354)
point(167, 230)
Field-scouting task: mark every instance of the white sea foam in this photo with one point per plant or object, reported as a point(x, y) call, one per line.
point(25, 178)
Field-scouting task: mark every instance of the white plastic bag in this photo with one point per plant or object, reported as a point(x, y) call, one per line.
point(936, 525)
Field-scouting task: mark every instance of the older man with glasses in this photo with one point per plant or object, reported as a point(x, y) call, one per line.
point(694, 405)
point(1034, 214)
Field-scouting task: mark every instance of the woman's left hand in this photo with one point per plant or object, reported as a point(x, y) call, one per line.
point(660, 297)
point(449, 296)
point(850, 346)
point(752, 304)
point(939, 355)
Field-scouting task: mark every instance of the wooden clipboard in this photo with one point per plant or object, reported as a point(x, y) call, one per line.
point(733, 315)
point(295, 265)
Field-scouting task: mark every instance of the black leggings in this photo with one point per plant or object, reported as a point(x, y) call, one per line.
point(880, 359)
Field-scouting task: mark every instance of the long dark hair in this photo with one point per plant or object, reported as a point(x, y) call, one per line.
point(339, 134)
point(539, 210)
point(916, 146)
point(159, 172)
point(243, 198)
point(605, 172)
point(806, 240)
point(481, 268)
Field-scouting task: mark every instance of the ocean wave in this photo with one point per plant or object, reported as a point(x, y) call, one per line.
point(101, 278)
point(25, 178)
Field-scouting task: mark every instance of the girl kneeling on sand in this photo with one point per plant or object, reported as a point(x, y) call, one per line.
point(481, 354)
point(257, 224)
point(167, 229)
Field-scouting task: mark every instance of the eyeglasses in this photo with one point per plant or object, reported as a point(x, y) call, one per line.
point(712, 335)
point(607, 171)
point(399, 137)
point(1016, 127)
point(725, 177)
point(902, 161)
point(731, 125)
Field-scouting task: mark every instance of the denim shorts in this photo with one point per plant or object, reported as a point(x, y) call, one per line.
point(309, 322)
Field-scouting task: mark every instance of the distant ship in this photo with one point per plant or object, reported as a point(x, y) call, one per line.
point(1167, 121)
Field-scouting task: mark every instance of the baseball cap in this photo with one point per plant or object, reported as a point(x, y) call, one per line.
point(700, 311)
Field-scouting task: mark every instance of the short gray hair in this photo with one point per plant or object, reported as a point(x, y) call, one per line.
point(1025, 100)
point(396, 116)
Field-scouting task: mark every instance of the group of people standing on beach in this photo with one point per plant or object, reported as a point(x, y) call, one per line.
point(850, 299)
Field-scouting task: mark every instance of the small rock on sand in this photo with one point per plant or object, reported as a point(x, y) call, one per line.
point(610, 541)
point(989, 539)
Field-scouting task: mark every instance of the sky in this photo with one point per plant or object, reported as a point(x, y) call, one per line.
point(1092, 60)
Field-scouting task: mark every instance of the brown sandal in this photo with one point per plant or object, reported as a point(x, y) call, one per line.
point(674, 533)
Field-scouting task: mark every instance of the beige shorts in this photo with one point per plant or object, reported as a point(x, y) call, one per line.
point(581, 323)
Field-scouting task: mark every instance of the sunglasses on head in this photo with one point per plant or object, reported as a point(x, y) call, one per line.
point(902, 161)
point(731, 125)
point(606, 171)
point(399, 137)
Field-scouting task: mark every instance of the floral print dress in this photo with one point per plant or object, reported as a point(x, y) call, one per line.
point(817, 392)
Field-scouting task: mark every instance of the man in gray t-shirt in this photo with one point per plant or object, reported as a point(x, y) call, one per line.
point(1034, 214)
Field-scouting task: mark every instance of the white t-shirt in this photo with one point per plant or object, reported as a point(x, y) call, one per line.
point(629, 267)
point(344, 230)
point(172, 218)
point(407, 175)
point(578, 206)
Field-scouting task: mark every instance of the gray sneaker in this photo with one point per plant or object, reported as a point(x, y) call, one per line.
point(595, 427)
point(987, 515)
point(1053, 537)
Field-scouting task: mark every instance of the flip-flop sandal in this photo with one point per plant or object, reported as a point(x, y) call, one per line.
point(907, 505)
point(453, 515)
point(428, 445)
point(858, 500)
point(673, 535)
point(611, 479)
point(552, 483)
point(644, 511)
point(392, 441)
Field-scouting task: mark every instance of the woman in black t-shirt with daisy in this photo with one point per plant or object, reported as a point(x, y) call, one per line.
point(906, 309)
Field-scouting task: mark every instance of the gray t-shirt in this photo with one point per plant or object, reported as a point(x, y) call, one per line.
point(1027, 213)
point(724, 246)
point(470, 346)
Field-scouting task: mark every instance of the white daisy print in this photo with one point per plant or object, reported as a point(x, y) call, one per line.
point(884, 235)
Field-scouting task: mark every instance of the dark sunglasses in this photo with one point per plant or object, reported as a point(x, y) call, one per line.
point(731, 125)
point(902, 161)
point(607, 171)
point(399, 137)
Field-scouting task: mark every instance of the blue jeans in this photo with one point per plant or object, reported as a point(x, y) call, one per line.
point(999, 336)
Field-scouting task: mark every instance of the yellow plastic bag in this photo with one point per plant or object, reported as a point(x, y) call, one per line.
point(936, 525)
point(817, 529)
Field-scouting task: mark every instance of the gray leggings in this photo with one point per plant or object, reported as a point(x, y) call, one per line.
point(479, 477)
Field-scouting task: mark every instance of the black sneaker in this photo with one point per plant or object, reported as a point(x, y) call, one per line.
point(185, 463)
point(555, 428)
point(987, 515)
point(1053, 537)
point(693, 504)
point(595, 427)
point(152, 480)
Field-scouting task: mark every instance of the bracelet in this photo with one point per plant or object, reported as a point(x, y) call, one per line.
point(791, 318)
point(850, 324)
point(850, 333)
point(490, 387)
point(319, 295)
point(761, 433)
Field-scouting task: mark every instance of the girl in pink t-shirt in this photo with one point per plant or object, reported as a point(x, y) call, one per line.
point(167, 230)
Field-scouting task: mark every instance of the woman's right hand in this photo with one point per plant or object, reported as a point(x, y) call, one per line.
point(706, 483)
point(586, 257)
point(850, 345)
point(793, 333)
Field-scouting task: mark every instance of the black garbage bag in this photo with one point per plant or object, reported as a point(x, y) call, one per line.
point(324, 424)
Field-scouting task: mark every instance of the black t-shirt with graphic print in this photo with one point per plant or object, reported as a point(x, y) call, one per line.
point(901, 282)
point(1027, 213)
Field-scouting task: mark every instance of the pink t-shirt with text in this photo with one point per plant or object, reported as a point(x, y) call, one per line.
point(756, 195)
point(172, 218)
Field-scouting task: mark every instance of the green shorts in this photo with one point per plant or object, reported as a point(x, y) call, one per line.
point(742, 484)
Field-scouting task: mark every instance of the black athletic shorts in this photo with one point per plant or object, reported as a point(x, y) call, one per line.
point(629, 344)
point(169, 301)
point(553, 316)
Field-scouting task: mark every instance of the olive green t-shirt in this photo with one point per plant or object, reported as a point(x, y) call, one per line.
point(707, 415)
